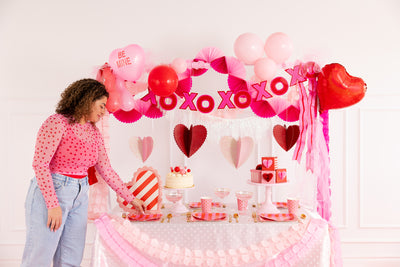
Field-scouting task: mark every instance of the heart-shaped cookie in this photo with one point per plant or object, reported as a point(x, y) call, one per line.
point(189, 140)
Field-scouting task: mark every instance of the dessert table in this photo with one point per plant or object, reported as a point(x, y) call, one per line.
point(241, 240)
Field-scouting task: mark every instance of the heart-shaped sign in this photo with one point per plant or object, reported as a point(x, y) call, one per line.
point(128, 62)
point(267, 163)
point(141, 147)
point(146, 186)
point(338, 89)
point(286, 137)
point(267, 176)
point(189, 140)
point(236, 152)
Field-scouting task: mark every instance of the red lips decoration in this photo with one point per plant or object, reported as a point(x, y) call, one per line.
point(286, 137)
point(338, 89)
point(189, 140)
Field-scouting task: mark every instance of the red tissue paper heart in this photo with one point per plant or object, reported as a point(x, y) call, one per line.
point(338, 89)
point(189, 140)
point(286, 137)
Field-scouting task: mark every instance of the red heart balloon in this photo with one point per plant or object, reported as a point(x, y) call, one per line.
point(286, 137)
point(338, 89)
point(189, 140)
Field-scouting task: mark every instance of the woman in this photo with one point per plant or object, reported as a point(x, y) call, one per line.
point(68, 143)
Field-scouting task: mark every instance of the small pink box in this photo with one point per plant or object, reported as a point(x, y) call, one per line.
point(268, 163)
point(255, 176)
point(281, 176)
point(267, 177)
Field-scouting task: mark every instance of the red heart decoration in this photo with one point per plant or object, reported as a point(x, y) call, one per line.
point(338, 89)
point(267, 176)
point(286, 137)
point(189, 140)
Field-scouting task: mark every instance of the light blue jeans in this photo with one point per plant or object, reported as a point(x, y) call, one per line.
point(65, 246)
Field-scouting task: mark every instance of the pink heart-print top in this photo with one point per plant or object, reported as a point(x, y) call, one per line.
point(67, 148)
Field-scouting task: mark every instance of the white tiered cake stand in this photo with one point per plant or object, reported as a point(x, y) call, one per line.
point(268, 206)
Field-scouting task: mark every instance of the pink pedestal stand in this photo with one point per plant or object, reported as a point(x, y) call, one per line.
point(268, 206)
point(179, 207)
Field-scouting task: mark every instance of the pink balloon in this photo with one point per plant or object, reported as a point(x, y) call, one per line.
point(126, 98)
point(248, 48)
point(128, 62)
point(179, 65)
point(278, 47)
point(265, 69)
point(113, 102)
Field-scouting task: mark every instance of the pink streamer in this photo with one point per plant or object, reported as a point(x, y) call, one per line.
point(119, 245)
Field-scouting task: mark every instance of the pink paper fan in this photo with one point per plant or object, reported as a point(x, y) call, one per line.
point(262, 109)
point(235, 67)
point(184, 86)
point(290, 114)
point(198, 72)
point(184, 74)
point(278, 104)
point(153, 112)
point(209, 54)
point(141, 106)
point(219, 65)
point(127, 116)
point(237, 84)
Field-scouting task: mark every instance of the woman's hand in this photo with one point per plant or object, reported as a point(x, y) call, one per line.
point(139, 205)
point(54, 218)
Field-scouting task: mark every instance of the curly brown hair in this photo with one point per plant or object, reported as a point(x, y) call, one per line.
point(76, 100)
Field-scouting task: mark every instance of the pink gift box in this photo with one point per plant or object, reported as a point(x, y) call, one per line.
point(267, 177)
point(281, 176)
point(255, 176)
point(269, 163)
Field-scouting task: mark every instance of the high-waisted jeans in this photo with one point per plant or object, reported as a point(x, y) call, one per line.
point(65, 246)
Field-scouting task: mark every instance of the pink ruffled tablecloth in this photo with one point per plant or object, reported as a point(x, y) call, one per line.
point(120, 242)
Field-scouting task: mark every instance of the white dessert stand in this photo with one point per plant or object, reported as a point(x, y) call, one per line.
point(179, 207)
point(268, 206)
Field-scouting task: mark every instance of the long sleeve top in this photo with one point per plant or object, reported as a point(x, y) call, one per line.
point(67, 148)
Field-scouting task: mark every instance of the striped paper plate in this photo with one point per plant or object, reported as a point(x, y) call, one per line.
point(279, 217)
point(144, 217)
point(195, 205)
point(216, 216)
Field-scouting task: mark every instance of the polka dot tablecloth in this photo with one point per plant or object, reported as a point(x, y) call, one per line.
point(213, 236)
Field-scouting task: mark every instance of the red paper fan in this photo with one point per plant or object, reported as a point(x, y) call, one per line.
point(127, 116)
point(237, 84)
point(262, 109)
point(219, 65)
point(198, 72)
point(290, 114)
point(184, 86)
point(154, 112)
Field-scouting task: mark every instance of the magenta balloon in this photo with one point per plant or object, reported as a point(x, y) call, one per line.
point(248, 47)
point(278, 47)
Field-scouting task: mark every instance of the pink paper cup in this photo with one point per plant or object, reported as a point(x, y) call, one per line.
point(206, 204)
point(242, 204)
point(293, 205)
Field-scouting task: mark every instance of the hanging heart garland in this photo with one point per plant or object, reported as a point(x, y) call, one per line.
point(141, 147)
point(236, 151)
point(286, 137)
point(189, 140)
